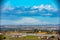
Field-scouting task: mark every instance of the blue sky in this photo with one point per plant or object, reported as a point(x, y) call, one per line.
point(29, 12)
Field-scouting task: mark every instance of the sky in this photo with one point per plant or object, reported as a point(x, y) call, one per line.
point(29, 12)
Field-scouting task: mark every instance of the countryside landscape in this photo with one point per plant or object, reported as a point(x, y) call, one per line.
point(30, 20)
point(30, 32)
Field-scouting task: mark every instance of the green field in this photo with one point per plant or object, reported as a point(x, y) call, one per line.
point(7, 37)
point(22, 38)
point(26, 38)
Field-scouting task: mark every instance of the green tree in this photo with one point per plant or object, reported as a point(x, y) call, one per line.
point(1, 37)
point(36, 30)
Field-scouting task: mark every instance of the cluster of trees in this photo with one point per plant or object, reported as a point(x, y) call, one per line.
point(2, 37)
point(36, 30)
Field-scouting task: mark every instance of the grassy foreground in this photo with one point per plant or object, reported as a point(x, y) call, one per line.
point(7, 37)
point(22, 38)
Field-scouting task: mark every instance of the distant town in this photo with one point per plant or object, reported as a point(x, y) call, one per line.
point(38, 31)
point(29, 27)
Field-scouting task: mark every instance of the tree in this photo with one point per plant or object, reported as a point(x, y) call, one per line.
point(52, 37)
point(59, 32)
point(36, 30)
point(2, 37)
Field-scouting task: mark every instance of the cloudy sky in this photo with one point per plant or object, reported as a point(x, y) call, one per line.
point(29, 12)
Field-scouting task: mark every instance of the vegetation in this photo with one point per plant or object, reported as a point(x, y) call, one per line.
point(22, 38)
point(7, 37)
point(52, 37)
point(2, 37)
point(36, 30)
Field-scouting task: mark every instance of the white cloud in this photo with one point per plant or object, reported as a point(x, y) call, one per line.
point(39, 7)
point(19, 11)
point(42, 6)
point(26, 21)
point(6, 9)
point(11, 8)
point(34, 7)
point(30, 21)
point(6, 22)
point(33, 11)
point(23, 21)
point(30, 11)
point(7, 6)
point(48, 7)
point(48, 14)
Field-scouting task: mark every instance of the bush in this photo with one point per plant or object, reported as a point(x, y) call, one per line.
point(1, 37)
point(52, 36)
